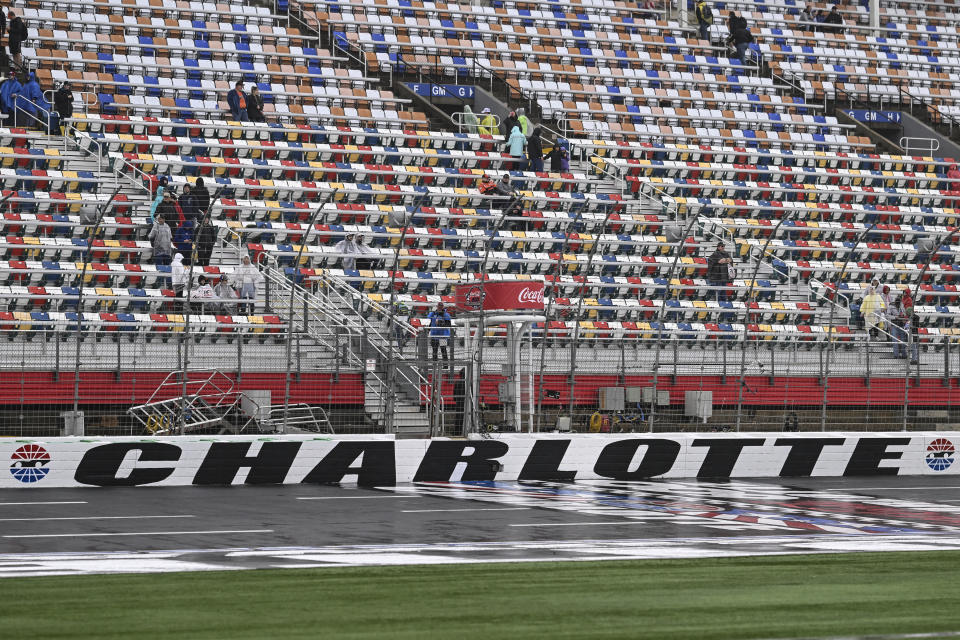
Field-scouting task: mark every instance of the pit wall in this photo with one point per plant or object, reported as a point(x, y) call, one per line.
point(372, 460)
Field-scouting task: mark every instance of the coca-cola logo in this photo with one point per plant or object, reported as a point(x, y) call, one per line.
point(530, 295)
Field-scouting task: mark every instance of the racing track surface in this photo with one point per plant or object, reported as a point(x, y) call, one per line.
point(99, 530)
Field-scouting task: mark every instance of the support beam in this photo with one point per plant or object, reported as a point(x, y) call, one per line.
point(875, 14)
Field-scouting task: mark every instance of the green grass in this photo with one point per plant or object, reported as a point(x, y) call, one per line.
point(782, 596)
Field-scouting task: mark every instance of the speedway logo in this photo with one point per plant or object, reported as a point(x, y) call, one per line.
point(940, 454)
point(30, 463)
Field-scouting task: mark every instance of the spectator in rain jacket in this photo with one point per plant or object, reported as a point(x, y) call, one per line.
point(535, 151)
point(179, 274)
point(8, 94)
point(516, 143)
point(488, 124)
point(524, 121)
point(31, 100)
point(470, 122)
point(872, 308)
point(161, 238)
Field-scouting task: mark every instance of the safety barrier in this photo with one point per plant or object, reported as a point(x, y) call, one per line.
point(383, 461)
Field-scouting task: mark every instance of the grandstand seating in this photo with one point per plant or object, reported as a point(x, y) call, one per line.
point(662, 128)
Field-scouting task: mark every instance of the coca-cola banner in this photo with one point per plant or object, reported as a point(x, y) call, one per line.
point(499, 296)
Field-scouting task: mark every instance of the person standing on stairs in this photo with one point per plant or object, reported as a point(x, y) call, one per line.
point(515, 145)
point(440, 323)
point(161, 238)
point(206, 239)
point(524, 121)
point(63, 105)
point(201, 197)
point(470, 122)
point(246, 277)
point(535, 151)
point(18, 33)
point(704, 19)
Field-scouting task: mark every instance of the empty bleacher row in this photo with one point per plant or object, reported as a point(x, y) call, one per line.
point(153, 64)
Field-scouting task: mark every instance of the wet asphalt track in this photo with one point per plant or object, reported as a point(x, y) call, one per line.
point(62, 531)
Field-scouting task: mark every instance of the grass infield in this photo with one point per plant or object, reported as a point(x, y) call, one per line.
point(758, 597)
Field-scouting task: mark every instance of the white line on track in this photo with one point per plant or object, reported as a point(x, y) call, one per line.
point(855, 489)
point(404, 497)
point(135, 533)
point(17, 504)
point(92, 518)
point(577, 524)
point(449, 510)
point(887, 636)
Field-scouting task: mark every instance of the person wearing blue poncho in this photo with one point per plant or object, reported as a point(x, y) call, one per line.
point(9, 90)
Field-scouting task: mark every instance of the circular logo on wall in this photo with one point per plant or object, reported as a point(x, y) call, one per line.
point(473, 300)
point(940, 454)
point(30, 463)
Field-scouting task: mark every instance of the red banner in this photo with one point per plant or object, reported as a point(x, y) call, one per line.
point(499, 296)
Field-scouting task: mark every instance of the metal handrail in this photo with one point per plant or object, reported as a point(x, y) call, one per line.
point(331, 308)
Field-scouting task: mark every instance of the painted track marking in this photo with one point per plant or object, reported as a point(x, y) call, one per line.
point(403, 497)
point(18, 504)
point(577, 524)
point(92, 518)
point(462, 510)
point(135, 533)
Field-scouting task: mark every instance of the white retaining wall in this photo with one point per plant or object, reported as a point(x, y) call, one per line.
point(383, 461)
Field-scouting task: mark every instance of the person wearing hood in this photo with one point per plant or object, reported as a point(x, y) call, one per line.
point(524, 121)
point(509, 123)
point(535, 151)
point(246, 277)
point(161, 239)
point(368, 256)
point(515, 144)
point(347, 250)
point(488, 124)
point(201, 197)
point(9, 91)
point(872, 308)
point(470, 122)
point(179, 275)
point(557, 156)
point(30, 102)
